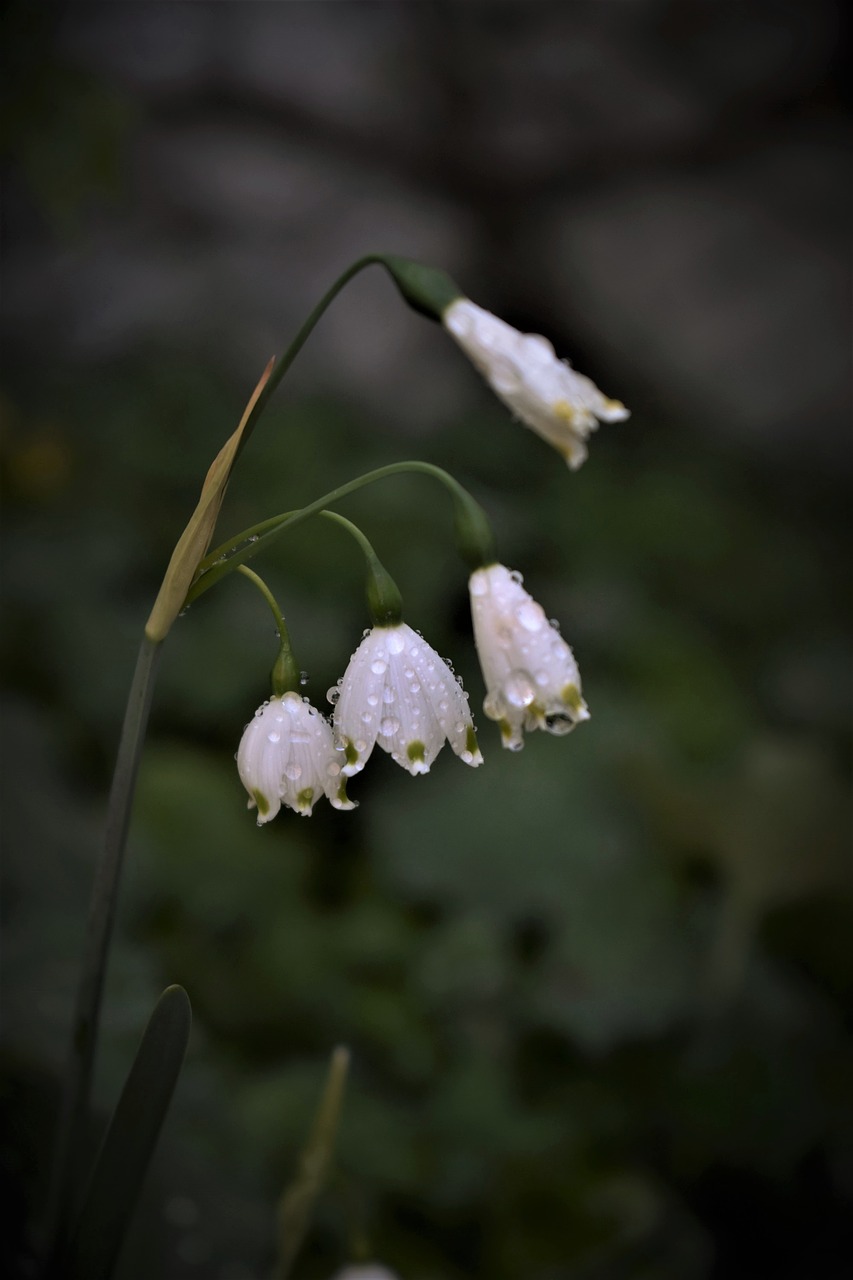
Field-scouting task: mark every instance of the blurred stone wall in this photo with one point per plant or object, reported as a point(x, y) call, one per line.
point(659, 185)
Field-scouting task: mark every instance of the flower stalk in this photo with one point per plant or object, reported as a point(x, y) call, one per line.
point(472, 528)
point(77, 1081)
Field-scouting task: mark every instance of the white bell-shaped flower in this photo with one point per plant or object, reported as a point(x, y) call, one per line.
point(521, 368)
point(288, 755)
point(532, 679)
point(398, 692)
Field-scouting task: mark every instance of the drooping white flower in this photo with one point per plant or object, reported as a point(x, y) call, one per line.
point(287, 754)
point(532, 679)
point(521, 368)
point(398, 692)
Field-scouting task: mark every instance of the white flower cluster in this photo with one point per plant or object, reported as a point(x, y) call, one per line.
point(521, 368)
point(399, 694)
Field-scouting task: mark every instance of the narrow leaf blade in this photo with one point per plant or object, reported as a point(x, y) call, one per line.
point(130, 1140)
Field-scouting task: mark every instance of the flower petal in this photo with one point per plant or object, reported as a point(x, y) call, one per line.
point(545, 393)
point(532, 679)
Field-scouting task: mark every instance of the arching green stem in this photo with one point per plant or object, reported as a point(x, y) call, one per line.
point(473, 531)
point(285, 672)
point(427, 290)
point(383, 597)
point(282, 365)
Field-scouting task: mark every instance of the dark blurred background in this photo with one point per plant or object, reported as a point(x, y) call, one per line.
point(598, 995)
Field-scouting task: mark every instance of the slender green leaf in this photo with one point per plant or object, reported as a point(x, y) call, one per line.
point(130, 1139)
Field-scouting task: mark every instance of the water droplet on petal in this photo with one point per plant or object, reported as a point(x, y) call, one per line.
point(293, 772)
point(333, 694)
point(274, 737)
point(389, 727)
point(396, 643)
point(530, 616)
point(519, 690)
point(378, 667)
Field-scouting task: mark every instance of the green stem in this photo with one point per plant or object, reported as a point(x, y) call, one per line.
point(472, 525)
point(383, 597)
point(285, 676)
point(281, 366)
point(281, 625)
point(74, 1112)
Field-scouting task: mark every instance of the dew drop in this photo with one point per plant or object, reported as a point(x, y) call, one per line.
point(274, 737)
point(504, 378)
point(518, 689)
point(389, 727)
point(372, 700)
point(378, 667)
point(388, 695)
point(517, 577)
point(396, 642)
point(530, 616)
point(303, 677)
point(333, 769)
point(366, 717)
point(360, 745)
point(293, 772)
point(333, 694)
